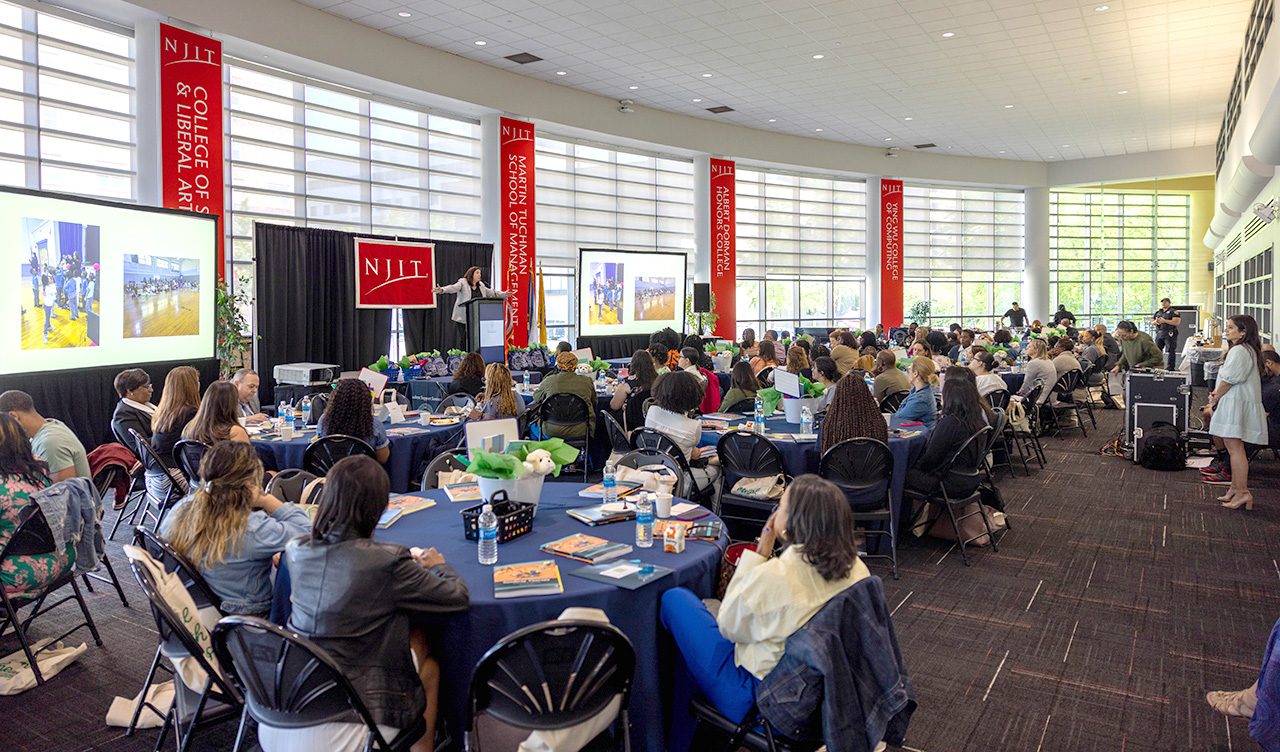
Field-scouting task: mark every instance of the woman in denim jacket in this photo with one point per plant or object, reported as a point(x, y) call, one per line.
point(921, 403)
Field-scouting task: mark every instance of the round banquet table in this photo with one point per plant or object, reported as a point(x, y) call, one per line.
point(1013, 380)
point(462, 639)
point(412, 446)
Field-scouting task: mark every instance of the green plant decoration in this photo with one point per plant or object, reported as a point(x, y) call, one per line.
point(920, 311)
point(230, 326)
point(709, 319)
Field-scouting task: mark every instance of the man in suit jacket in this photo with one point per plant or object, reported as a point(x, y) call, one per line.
point(246, 381)
point(134, 409)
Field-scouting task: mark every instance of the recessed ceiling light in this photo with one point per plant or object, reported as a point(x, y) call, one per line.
point(948, 34)
point(818, 57)
point(633, 87)
point(699, 99)
point(1101, 8)
point(773, 120)
point(1008, 107)
point(817, 130)
point(480, 43)
point(1002, 151)
point(1123, 91)
point(1066, 146)
point(562, 73)
point(888, 138)
point(907, 118)
point(707, 75)
point(404, 14)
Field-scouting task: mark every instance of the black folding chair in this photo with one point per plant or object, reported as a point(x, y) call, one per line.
point(1031, 438)
point(1062, 401)
point(649, 438)
point(165, 494)
point(962, 467)
point(561, 412)
point(765, 377)
point(32, 537)
point(747, 405)
point(103, 484)
point(892, 402)
point(187, 454)
point(1093, 378)
point(458, 399)
point(863, 469)
point(746, 455)
point(998, 398)
point(443, 462)
point(635, 408)
point(638, 458)
point(288, 485)
point(999, 440)
point(576, 668)
point(618, 439)
point(323, 454)
point(291, 682)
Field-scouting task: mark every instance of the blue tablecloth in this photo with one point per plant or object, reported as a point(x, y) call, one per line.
point(424, 393)
point(1013, 380)
point(412, 446)
point(464, 638)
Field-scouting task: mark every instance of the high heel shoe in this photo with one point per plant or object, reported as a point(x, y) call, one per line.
point(1228, 496)
point(1245, 500)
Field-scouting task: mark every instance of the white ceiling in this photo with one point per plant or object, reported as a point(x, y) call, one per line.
point(1060, 63)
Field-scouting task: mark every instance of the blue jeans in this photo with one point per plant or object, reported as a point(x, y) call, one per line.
point(1265, 725)
point(707, 654)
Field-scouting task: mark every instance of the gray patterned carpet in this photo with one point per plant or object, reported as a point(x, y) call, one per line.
point(1120, 596)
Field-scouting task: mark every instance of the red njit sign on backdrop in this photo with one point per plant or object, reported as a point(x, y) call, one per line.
point(191, 124)
point(724, 233)
point(891, 252)
point(394, 274)
point(518, 252)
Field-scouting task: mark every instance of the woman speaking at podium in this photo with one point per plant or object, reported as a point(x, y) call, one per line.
point(466, 288)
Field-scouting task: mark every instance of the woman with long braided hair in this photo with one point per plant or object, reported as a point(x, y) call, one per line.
point(853, 413)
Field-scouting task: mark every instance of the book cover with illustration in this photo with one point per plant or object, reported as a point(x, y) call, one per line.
point(529, 578)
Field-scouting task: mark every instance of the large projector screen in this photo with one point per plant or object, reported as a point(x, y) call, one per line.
point(93, 283)
point(630, 292)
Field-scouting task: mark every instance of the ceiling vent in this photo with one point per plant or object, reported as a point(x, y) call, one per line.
point(523, 58)
point(722, 109)
point(926, 146)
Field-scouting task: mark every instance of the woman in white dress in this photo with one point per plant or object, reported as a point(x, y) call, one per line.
point(1238, 416)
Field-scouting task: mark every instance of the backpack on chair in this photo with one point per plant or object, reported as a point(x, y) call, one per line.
point(1163, 448)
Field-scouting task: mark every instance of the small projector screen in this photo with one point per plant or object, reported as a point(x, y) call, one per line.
point(93, 283)
point(630, 292)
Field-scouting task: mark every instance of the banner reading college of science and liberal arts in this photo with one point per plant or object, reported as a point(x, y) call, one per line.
point(517, 245)
point(724, 233)
point(191, 124)
point(394, 274)
point(891, 252)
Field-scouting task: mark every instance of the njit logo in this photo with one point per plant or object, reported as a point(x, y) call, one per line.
point(721, 169)
point(514, 130)
point(190, 49)
point(394, 274)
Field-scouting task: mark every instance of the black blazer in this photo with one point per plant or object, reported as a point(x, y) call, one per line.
point(466, 386)
point(126, 417)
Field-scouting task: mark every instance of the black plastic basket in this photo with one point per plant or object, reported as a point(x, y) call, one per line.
point(515, 518)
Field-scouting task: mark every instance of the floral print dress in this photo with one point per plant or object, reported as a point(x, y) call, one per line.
point(23, 573)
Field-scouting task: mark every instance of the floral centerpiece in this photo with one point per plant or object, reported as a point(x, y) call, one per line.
point(599, 365)
point(520, 470)
point(771, 397)
point(384, 366)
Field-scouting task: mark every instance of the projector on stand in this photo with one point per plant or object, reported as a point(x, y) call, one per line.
point(306, 374)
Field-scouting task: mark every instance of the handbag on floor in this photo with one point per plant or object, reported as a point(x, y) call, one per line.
point(16, 675)
point(767, 488)
point(729, 566)
point(934, 521)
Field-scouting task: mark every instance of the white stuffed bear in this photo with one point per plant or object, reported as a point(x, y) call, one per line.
point(584, 369)
point(539, 462)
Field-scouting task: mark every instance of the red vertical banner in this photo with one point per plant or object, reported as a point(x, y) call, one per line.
point(191, 125)
point(724, 245)
point(890, 253)
point(518, 238)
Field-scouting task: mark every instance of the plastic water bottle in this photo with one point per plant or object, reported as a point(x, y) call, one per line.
point(306, 410)
point(610, 483)
point(866, 376)
point(284, 411)
point(526, 381)
point(644, 520)
point(488, 536)
point(806, 420)
point(758, 418)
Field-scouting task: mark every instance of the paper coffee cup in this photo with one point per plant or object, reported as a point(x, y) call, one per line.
point(286, 430)
point(664, 505)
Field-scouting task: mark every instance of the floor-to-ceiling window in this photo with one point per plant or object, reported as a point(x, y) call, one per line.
point(592, 196)
point(1114, 255)
point(801, 250)
point(66, 104)
point(964, 253)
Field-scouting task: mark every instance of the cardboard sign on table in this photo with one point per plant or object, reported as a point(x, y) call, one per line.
point(584, 355)
point(788, 384)
point(395, 412)
point(374, 380)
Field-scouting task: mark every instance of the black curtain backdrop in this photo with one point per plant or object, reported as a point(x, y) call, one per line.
point(306, 309)
point(85, 398)
point(433, 328)
point(615, 346)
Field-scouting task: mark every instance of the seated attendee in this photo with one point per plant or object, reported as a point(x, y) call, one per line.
point(51, 441)
point(563, 347)
point(231, 529)
point(921, 402)
point(805, 345)
point(936, 344)
point(658, 352)
point(178, 405)
point(953, 347)
point(853, 414)
point(21, 475)
point(770, 335)
point(767, 357)
point(826, 373)
point(1064, 357)
point(798, 363)
point(742, 385)
point(217, 418)
point(1271, 394)
point(749, 347)
point(630, 393)
point(1109, 344)
point(566, 381)
point(769, 598)
point(1038, 368)
point(868, 339)
point(689, 364)
point(675, 396)
point(963, 414)
point(820, 351)
point(1137, 349)
point(469, 378)
point(134, 410)
point(844, 350)
point(246, 382)
point(987, 380)
point(1090, 350)
point(349, 412)
point(888, 378)
point(499, 398)
point(355, 597)
point(1003, 337)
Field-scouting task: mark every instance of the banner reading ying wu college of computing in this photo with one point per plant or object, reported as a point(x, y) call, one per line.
point(517, 243)
point(395, 274)
point(890, 253)
point(724, 233)
point(191, 124)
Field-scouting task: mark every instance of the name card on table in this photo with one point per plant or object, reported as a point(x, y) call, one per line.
point(374, 380)
point(788, 384)
point(395, 412)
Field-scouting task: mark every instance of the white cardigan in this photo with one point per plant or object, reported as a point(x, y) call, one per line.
point(463, 291)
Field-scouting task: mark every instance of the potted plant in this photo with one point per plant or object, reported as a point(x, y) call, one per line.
point(792, 406)
point(230, 326)
point(520, 469)
point(700, 322)
point(919, 312)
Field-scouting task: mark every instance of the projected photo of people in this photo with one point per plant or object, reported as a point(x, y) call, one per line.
point(655, 298)
point(606, 294)
point(161, 296)
point(60, 298)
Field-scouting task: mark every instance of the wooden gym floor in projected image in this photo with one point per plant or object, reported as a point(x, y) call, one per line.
point(64, 333)
point(175, 313)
